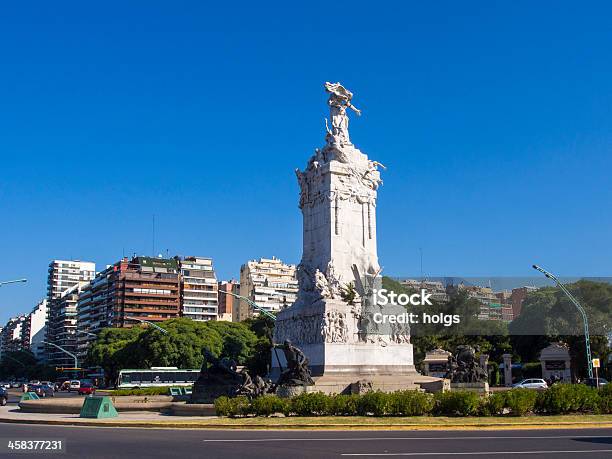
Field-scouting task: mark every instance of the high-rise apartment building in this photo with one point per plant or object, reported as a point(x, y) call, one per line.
point(199, 298)
point(142, 288)
point(269, 283)
point(34, 330)
point(10, 336)
point(62, 327)
point(65, 274)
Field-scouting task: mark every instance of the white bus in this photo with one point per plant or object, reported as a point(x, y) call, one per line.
point(156, 377)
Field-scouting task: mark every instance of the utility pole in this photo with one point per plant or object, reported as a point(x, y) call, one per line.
point(585, 320)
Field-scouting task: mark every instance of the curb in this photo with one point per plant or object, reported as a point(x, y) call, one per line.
point(207, 426)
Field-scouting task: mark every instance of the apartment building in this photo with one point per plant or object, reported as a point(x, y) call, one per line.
point(269, 283)
point(143, 288)
point(34, 330)
point(227, 303)
point(64, 274)
point(199, 297)
point(62, 327)
point(10, 336)
point(435, 288)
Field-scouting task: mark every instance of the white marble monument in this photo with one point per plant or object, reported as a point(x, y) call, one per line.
point(338, 192)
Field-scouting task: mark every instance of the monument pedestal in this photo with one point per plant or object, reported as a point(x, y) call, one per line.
point(327, 332)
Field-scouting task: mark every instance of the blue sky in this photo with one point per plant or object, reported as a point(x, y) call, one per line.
point(493, 118)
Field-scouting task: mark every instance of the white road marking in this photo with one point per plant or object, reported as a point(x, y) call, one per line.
point(523, 437)
point(483, 453)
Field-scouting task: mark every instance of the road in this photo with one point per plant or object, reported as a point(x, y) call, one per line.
point(100, 442)
point(15, 395)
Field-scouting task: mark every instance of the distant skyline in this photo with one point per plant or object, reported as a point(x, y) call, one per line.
point(494, 121)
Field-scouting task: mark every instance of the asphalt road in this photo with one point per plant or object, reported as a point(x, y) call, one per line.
point(15, 395)
point(100, 442)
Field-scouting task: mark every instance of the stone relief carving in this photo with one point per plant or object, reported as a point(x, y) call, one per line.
point(334, 328)
point(302, 330)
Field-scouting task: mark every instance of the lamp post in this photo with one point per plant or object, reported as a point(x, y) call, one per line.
point(76, 361)
point(585, 320)
point(266, 313)
point(16, 281)
point(136, 319)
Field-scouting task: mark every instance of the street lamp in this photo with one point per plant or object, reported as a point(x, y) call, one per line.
point(136, 319)
point(16, 281)
point(265, 312)
point(585, 320)
point(87, 333)
point(76, 362)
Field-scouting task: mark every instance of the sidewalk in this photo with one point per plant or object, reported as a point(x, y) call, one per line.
point(11, 414)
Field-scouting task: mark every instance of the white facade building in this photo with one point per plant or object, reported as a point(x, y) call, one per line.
point(269, 283)
point(65, 274)
point(199, 298)
point(38, 329)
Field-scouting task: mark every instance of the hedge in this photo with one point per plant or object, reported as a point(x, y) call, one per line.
point(145, 391)
point(559, 399)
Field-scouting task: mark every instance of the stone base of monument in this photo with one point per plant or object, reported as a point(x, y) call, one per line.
point(207, 393)
point(341, 364)
point(360, 385)
point(479, 387)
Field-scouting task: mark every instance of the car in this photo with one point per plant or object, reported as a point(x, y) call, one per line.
point(48, 383)
point(15, 384)
point(87, 389)
point(74, 385)
point(596, 382)
point(5, 385)
point(42, 390)
point(3, 396)
point(531, 384)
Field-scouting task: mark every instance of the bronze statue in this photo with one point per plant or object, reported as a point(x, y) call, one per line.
point(297, 372)
point(464, 367)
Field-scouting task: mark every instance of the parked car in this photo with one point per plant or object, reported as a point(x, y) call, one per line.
point(75, 384)
point(5, 385)
point(593, 382)
point(531, 384)
point(87, 389)
point(3, 396)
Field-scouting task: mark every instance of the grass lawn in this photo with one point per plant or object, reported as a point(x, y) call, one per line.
point(422, 422)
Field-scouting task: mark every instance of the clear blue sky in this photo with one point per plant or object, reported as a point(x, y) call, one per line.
point(494, 119)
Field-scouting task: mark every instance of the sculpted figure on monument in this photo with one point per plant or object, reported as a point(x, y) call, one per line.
point(465, 368)
point(297, 372)
point(339, 100)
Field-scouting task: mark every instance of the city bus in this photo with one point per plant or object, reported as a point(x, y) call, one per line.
point(156, 377)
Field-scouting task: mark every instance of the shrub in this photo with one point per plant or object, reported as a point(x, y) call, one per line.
point(145, 391)
point(373, 403)
point(605, 399)
point(460, 403)
point(410, 403)
point(269, 404)
point(312, 404)
point(344, 405)
point(494, 404)
point(520, 401)
point(568, 398)
point(232, 407)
